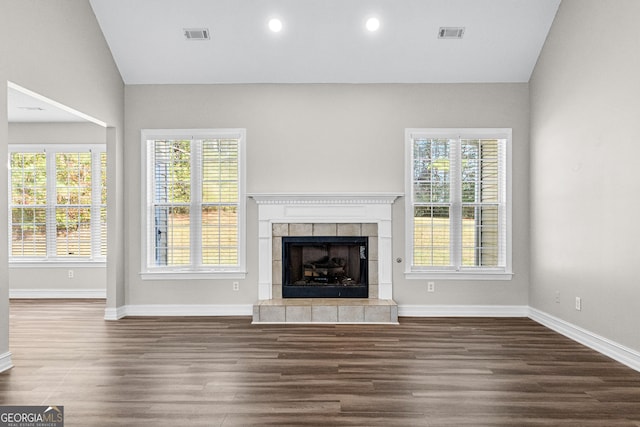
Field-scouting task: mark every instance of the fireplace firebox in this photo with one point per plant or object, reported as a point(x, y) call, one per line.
point(325, 267)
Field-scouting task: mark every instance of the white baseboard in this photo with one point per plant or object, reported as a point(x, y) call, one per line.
point(114, 313)
point(182, 310)
point(463, 311)
point(609, 348)
point(5, 362)
point(57, 293)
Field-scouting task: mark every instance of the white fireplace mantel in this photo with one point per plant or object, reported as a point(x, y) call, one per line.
point(325, 208)
point(325, 198)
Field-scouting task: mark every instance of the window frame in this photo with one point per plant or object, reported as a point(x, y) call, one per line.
point(150, 271)
point(458, 272)
point(96, 259)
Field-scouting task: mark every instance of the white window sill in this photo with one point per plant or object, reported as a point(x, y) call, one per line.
point(57, 264)
point(191, 275)
point(457, 275)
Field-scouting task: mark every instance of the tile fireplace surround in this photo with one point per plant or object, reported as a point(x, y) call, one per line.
point(366, 214)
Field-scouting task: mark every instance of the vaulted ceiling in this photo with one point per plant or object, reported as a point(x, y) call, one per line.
point(321, 41)
point(324, 41)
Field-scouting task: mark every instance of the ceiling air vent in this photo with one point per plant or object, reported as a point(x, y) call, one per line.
point(196, 33)
point(450, 32)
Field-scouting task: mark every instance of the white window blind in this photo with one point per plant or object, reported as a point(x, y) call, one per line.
point(57, 203)
point(72, 217)
point(195, 208)
point(171, 165)
point(219, 209)
point(101, 244)
point(28, 205)
point(457, 209)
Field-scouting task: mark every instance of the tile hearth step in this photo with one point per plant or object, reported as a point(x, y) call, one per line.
point(326, 310)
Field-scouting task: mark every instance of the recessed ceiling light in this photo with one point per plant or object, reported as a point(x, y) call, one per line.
point(275, 25)
point(373, 24)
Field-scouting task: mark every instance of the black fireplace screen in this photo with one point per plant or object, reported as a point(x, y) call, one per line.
point(325, 267)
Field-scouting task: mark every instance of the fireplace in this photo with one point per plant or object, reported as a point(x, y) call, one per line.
point(325, 267)
point(290, 215)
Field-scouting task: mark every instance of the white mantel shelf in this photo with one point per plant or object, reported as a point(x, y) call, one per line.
point(325, 198)
point(324, 208)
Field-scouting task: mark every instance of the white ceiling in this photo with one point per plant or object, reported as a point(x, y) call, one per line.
point(324, 41)
point(26, 107)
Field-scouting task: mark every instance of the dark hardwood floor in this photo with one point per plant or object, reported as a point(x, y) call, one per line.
point(223, 371)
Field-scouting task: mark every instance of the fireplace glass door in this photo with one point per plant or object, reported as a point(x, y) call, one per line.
point(325, 267)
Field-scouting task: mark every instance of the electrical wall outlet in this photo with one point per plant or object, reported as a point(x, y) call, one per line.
point(431, 286)
point(236, 286)
point(578, 303)
point(70, 274)
point(557, 297)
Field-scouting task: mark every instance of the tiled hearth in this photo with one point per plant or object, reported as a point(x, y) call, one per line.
point(366, 215)
point(326, 310)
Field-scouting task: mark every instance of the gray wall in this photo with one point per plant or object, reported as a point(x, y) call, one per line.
point(327, 138)
point(56, 49)
point(585, 107)
point(55, 133)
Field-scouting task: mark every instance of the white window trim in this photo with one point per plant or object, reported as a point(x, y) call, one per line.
point(148, 272)
point(66, 261)
point(57, 264)
point(471, 273)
